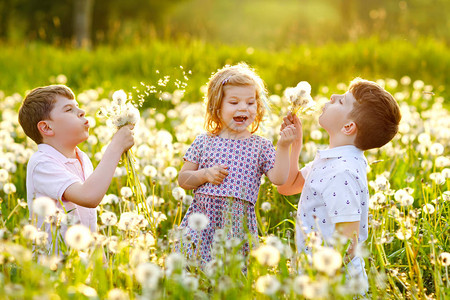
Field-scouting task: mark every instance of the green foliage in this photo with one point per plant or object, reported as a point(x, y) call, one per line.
point(23, 67)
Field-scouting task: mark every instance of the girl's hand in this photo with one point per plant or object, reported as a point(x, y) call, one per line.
point(216, 174)
point(287, 136)
point(293, 120)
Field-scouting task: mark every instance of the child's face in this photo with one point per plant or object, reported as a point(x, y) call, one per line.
point(67, 122)
point(335, 112)
point(238, 109)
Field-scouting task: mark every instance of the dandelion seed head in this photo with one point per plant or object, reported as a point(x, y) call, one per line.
point(267, 285)
point(267, 255)
point(119, 97)
point(428, 208)
point(178, 193)
point(266, 206)
point(170, 172)
point(444, 259)
point(108, 218)
point(78, 237)
point(198, 221)
point(117, 294)
point(148, 275)
point(327, 260)
point(44, 206)
point(9, 188)
point(126, 192)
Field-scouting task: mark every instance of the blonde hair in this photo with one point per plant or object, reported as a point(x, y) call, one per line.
point(37, 107)
point(237, 75)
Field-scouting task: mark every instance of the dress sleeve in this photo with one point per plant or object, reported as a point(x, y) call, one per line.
point(342, 196)
point(267, 156)
point(194, 152)
point(52, 179)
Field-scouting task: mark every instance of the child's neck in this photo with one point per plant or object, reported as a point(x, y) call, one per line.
point(226, 134)
point(68, 151)
point(340, 140)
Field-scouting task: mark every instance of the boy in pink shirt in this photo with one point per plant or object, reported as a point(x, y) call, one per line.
point(59, 170)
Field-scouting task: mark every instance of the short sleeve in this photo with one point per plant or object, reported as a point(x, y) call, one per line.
point(306, 169)
point(342, 196)
point(267, 156)
point(52, 179)
point(194, 152)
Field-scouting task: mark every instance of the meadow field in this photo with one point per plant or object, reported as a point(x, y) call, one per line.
point(407, 254)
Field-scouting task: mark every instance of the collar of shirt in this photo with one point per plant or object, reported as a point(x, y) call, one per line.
point(47, 149)
point(346, 150)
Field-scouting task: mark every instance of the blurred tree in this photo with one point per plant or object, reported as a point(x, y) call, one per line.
point(83, 13)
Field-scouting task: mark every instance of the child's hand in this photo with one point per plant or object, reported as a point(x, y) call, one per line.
point(287, 136)
point(216, 174)
point(293, 119)
point(124, 138)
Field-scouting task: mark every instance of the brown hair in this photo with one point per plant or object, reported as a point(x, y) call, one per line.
point(237, 75)
point(37, 106)
point(375, 112)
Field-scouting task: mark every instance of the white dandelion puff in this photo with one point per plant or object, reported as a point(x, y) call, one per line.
point(327, 260)
point(198, 221)
point(178, 193)
point(267, 285)
point(444, 259)
point(44, 206)
point(126, 192)
point(108, 218)
point(428, 208)
point(267, 255)
point(148, 275)
point(78, 237)
point(9, 188)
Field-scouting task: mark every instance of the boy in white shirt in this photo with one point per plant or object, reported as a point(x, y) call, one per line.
point(59, 170)
point(335, 195)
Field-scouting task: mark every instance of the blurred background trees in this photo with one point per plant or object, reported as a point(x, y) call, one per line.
point(259, 23)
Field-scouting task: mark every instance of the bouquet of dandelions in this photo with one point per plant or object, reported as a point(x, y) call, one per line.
point(122, 112)
point(300, 98)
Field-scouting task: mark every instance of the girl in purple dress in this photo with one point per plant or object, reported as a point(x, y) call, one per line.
point(225, 165)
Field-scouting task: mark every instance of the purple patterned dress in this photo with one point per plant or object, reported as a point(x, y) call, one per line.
point(233, 201)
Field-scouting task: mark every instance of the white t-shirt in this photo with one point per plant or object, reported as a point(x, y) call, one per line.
point(49, 174)
point(335, 191)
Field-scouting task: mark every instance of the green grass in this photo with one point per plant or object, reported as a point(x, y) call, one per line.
point(23, 67)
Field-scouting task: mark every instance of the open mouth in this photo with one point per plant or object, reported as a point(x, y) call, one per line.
point(240, 119)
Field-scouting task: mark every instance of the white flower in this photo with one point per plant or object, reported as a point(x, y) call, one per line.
point(327, 260)
point(108, 218)
point(436, 149)
point(149, 171)
point(403, 197)
point(178, 193)
point(198, 221)
point(29, 232)
point(9, 188)
point(44, 206)
point(403, 234)
point(126, 192)
point(444, 259)
point(117, 294)
point(170, 172)
point(190, 283)
point(128, 221)
point(267, 285)
point(4, 175)
point(174, 262)
point(265, 206)
point(300, 97)
point(148, 275)
point(267, 255)
point(119, 97)
point(41, 238)
point(300, 283)
point(428, 208)
point(78, 237)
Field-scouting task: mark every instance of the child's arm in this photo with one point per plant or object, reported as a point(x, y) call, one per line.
point(278, 175)
point(190, 177)
point(90, 193)
point(351, 231)
point(295, 181)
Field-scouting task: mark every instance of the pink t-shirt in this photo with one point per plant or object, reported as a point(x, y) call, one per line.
point(49, 174)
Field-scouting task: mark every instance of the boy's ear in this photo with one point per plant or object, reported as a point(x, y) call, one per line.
point(45, 129)
point(349, 128)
